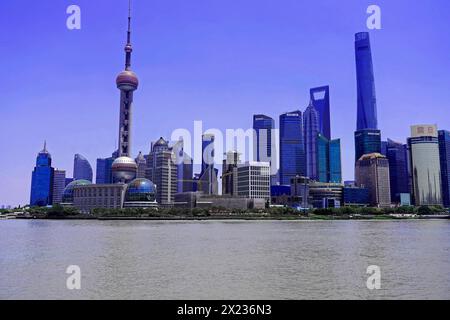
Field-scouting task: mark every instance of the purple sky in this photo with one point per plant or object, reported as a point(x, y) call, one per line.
point(217, 61)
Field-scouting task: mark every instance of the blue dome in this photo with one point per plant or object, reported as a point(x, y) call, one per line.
point(68, 191)
point(141, 190)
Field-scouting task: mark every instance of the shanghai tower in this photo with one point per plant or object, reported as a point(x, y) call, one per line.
point(367, 102)
point(367, 135)
point(127, 82)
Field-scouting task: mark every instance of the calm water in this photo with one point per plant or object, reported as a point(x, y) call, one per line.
point(224, 260)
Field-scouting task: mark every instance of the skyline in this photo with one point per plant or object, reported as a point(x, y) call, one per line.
point(147, 111)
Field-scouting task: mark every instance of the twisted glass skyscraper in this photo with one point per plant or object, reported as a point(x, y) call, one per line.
point(367, 102)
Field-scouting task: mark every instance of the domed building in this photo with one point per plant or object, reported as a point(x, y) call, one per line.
point(140, 193)
point(67, 198)
point(124, 170)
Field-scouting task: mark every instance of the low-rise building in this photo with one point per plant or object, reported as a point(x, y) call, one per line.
point(354, 196)
point(253, 180)
point(192, 200)
point(325, 195)
point(94, 196)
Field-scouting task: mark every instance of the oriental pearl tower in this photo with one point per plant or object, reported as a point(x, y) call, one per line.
point(124, 168)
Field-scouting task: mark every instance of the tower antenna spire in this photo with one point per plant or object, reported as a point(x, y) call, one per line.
point(128, 47)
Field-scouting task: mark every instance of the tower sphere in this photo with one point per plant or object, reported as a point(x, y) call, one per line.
point(127, 80)
point(124, 169)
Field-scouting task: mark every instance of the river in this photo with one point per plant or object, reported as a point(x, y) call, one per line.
point(224, 259)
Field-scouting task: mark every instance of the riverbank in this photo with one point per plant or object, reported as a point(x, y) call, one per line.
point(241, 217)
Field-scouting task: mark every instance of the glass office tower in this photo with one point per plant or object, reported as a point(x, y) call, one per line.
point(104, 170)
point(323, 159)
point(82, 169)
point(367, 142)
point(320, 98)
point(335, 161)
point(263, 127)
point(444, 155)
point(292, 148)
point(397, 155)
point(59, 184)
point(42, 180)
point(329, 160)
point(367, 102)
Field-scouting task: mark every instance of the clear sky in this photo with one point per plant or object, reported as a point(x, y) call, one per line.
point(211, 60)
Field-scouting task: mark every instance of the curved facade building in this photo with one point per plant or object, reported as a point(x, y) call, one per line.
point(140, 193)
point(67, 196)
point(82, 169)
point(425, 165)
point(367, 102)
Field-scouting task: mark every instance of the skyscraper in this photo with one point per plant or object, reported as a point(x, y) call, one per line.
point(367, 102)
point(335, 161)
point(425, 165)
point(229, 173)
point(82, 169)
point(263, 127)
point(311, 133)
point(397, 155)
point(329, 166)
point(104, 170)
point(372, 172)
point(59, 184)
point(124, 168)
point(185, 168)
point(162, 171)
point(366, 142)
point(208, 179)
point(322, 159)
point(320, 99)
point(141, 166)
point(42, 180)
point(292, 148)
point(444, 155)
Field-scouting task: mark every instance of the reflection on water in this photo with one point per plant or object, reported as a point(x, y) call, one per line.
point(224, 260)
